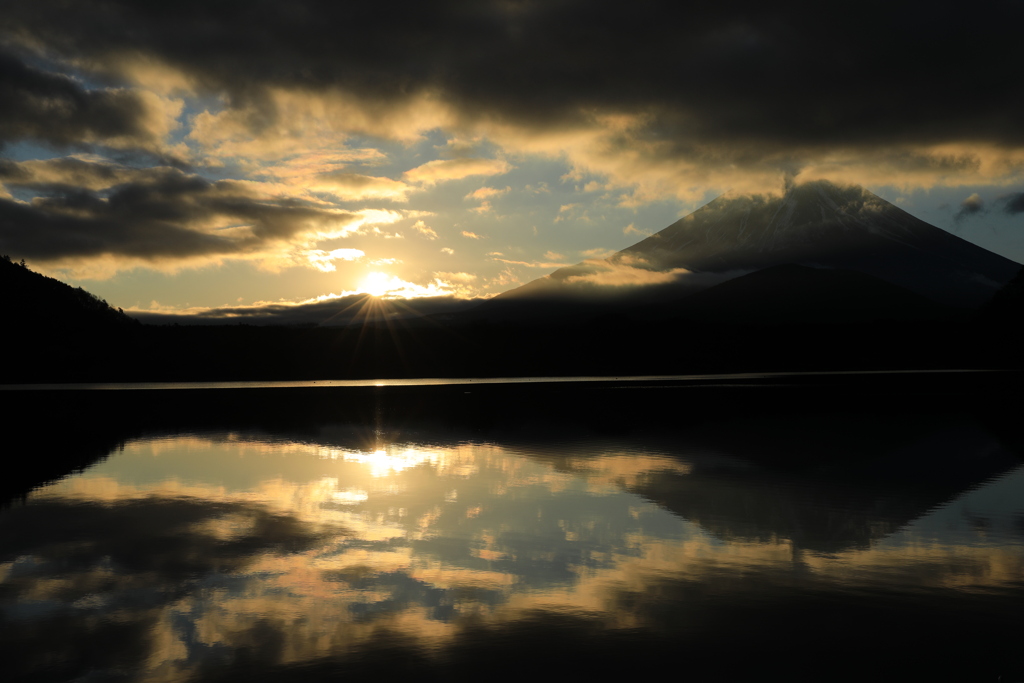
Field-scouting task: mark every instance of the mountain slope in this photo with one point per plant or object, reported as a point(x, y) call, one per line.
point(820, 224)
point(817, 224)
point(792, 293)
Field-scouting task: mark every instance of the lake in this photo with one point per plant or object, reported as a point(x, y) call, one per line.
point(794, 528)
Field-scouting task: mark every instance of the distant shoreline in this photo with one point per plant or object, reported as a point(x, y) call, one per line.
point(690, 379)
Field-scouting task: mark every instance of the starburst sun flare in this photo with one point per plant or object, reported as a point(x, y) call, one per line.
point(285, 152)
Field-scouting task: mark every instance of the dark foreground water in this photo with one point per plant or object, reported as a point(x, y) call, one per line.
point(754, 532)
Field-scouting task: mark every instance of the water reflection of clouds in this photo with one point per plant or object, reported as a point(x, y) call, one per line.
point(314, 548)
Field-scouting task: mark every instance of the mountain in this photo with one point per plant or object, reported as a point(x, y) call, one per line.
point(1007, 306)
point(817, 225)
point(792, 293)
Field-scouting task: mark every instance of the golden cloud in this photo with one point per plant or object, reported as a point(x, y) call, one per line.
point(353, 186)
point(457, 277)
point(533, 264)
point(324, 260)
point(441, 170)
point(624, 273)
point(633, 230)
point(291, 119)
point(487, 193)
point(458, 283)
point(422, 228)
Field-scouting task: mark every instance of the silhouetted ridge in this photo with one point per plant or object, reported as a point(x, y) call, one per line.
point(40, 303)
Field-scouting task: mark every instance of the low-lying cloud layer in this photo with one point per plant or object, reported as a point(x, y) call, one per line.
point(331, 311)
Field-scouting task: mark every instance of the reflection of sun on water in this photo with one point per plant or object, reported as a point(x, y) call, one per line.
point(382, 463)
point(426, 539)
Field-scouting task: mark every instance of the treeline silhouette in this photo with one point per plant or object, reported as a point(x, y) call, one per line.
point(56, 333)
point(34, 302)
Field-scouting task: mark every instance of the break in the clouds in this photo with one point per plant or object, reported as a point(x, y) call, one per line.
point(177, 135)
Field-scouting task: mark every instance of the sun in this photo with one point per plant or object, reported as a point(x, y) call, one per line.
point(383, 285)
point(376, 283)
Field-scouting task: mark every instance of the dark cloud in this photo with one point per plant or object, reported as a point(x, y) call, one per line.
point(969, 207)
point(65, 174)
point(780, 75)
point(53, 108)
point(161, 213)
point(1014, 203)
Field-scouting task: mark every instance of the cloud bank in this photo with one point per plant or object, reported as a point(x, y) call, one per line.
point(745, 86)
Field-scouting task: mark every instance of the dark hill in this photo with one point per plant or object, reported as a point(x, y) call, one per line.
point(792, 293)
point(38, 304)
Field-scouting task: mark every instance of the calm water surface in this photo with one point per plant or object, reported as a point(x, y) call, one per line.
point(811, 547)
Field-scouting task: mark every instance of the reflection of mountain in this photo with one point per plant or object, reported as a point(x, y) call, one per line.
point(845, 480)
point(817, 225)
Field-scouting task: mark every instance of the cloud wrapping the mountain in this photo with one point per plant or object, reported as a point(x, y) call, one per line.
point(622, 273)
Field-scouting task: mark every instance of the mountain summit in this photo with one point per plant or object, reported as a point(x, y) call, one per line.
point(816, 224)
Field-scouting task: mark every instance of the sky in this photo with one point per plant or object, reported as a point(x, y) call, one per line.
point(196, 155)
